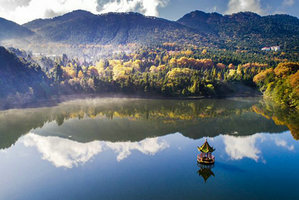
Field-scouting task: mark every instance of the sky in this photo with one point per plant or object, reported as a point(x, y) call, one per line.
point(22, 11)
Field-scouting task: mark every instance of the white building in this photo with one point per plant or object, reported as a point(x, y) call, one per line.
point(266, 48)
point(275, 48)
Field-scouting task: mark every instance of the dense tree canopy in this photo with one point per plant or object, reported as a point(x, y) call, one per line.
point(168, 70)
point(281, 83)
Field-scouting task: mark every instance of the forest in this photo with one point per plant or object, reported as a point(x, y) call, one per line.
point(281, 84)
point(166, 70)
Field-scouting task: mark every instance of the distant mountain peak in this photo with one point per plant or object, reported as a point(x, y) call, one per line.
point(245, 27)
point(79, 11)
point(241, 16)
point(75, 14)
point(245, 13)
point(121, 13)
point(110, 28)
point(12, 30)
point(201, 14)
point(243, 30)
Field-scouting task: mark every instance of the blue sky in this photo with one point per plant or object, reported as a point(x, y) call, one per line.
point(22, 11)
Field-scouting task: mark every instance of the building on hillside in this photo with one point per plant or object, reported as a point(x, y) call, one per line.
point(266, 49)
point(275, 48)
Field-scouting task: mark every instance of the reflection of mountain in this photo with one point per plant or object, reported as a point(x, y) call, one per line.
point(281, 116)
point(134, 120)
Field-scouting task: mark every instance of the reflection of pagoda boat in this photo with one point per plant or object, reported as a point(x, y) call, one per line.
point(206, 156)
point(205, 172)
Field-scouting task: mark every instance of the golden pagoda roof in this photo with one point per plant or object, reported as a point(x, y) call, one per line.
point(206, 148)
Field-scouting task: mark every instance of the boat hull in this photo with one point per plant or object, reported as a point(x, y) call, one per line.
point(206, 161)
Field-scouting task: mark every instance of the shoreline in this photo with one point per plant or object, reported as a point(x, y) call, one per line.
point(55, 100)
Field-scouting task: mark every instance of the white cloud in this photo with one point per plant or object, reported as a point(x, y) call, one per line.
point(214, 9)
point(235, 6)
point(288, 2)
point(22, 11)
point(147, 7)
point(34, 9)
point(67, 153)
point(242, 147)
point(13, 4)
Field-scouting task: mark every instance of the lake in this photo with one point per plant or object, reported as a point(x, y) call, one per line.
point(117, 148)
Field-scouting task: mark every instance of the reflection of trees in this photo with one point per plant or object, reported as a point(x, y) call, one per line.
point(136, 119)
point(281, 116)
point(166, 110)
point(205, 171)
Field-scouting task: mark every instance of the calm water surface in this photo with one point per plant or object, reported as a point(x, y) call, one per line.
point(146, 149)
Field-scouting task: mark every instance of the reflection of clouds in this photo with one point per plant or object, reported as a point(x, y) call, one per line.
point(283, 143)
point(3, 151)
point(63, 152)
point(148, 146)
point(241, 147)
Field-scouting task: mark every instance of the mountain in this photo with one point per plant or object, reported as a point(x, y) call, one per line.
point(246, 29)
point(81, 27)
point(20, 78)
point(11, 30)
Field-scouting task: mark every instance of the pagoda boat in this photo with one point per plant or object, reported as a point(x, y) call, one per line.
point(206, 157)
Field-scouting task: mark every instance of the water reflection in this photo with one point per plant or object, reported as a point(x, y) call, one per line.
point(67, 153)
point(149, 146)
point(40, 165)
point(283, 143)
point(242, 147)
point(280, 115)
point(205, 171)
point(125, 149)
point(134, 120)
point(62, 152)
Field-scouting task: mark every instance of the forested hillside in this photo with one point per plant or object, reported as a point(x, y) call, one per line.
point(11, 30)
point(83, 34)
point(200, 55)
point(20, 79)
point(243, 31)
point(246, 30)
point(161, 72)
point(81, 27)
point(281, 84)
